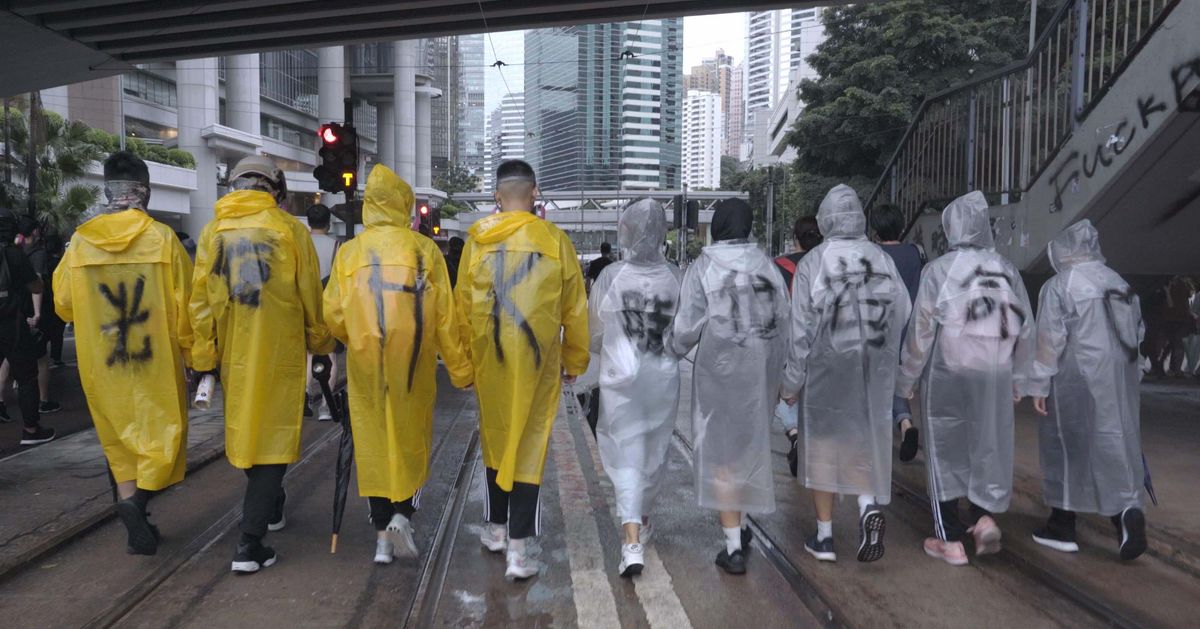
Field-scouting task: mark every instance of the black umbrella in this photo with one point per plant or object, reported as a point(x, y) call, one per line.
point(345, 458)
point(1149, 482)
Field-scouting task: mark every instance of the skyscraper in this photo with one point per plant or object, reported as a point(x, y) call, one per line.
point(735, 119)
point(471, 143)
point(456, 66)
point(603, 103)
point(505, 135)
point(702, 139)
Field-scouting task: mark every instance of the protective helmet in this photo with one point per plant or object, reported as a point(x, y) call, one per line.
point(260, 167)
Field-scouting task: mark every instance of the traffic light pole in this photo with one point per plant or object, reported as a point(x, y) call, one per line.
point(348, 114)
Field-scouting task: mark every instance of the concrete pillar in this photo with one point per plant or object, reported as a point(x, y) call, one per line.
point(331, 84)
point(404, 93)
point(387, 133)
point(424, 140)
point(197, 86)
point(242, 105)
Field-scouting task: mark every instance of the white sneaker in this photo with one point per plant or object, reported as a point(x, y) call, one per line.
point(400, 532)
point(384, 551)
point(494, 537)
point(278, 525)
point(519, 566)
point(631, 560)
point(323, 414)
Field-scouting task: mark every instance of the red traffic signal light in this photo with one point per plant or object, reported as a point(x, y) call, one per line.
point(328, 134)
point(338, 168)
point(424, 210)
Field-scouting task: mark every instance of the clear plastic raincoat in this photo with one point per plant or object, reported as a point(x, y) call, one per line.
point(522, 314)
point(1089, 328)
point(389, 301)
point(256, 308)
point(970, 343)
point(124, 282)
point(733, 308)
point(631, 309)
point(849, 308)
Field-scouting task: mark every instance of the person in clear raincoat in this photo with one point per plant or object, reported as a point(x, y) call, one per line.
point(970, 344)
point(1086, 378)
point(124, 282)
point(388, 299)
point(849, 308)
point(733, 310)
point(631, 309)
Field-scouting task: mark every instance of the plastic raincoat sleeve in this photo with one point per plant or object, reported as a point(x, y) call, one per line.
point(181, 283)
point(203, 319)
point(574, 312)
point(63, 305)
point(1023, 353)
point(803, 324)
point(922, 328)
point(308, 279)
point(692, 315)
point(1051, 340)
point(462, 300)
point(450, 347)
point(595, 323)
point(335, 316)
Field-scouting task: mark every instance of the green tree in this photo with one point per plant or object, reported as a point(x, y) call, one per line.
point(64, 151)
point(730, 169)
point(457, 178)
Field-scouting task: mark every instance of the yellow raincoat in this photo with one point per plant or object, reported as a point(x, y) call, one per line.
point(125, 282)
point(256, 304)
point(389, 301)
point(519, 291)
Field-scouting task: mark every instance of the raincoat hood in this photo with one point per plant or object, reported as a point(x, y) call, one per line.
point(967, 222)
point(641, 231)
point(499, 226)
point(732, 220)
point(1077, 244)
point(739, 257)
point(244, 203)
point(115, 232)
point(840, 214)
point(388, 200)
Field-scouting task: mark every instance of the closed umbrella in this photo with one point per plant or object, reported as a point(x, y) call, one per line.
point(345, 457)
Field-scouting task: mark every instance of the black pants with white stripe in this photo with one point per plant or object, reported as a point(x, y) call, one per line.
point(520, 509)
point(949, 523)
point(383, 509)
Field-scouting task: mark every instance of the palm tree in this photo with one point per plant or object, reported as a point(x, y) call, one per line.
point(64, 153)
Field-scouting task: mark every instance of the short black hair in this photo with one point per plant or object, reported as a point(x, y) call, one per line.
point(515, 168)
point(318, 216)
point(807, 232)
point(125, 166)
point(605, 248)
point(27, 224)
point(887, 221)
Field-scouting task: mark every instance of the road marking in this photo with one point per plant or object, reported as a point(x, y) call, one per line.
point(595, 605)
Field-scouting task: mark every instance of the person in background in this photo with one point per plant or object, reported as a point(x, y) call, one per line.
point(887, 221)
point(326, 246)
point(454, 250)
point(29, 238)
point(189, 244)
point(597, 265)
point(52, 325)
point(255, 310)
point(733, 310)
point(17, 345)
point(1176, 323)
point(133, 379)
point(1192, 342)
point(1086, 381)
point(388, 299)
point(970, 344)
point(522, 315)
point(806, 235)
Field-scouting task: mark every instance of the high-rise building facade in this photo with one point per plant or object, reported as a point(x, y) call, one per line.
point(471, 142)
point(735, 118)
point(505, 135)
point(603, 105)
point(703, 133)
point(778, 44)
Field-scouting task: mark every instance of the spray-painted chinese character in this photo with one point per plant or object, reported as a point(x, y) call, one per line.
point(129, 314)
point(503, 302)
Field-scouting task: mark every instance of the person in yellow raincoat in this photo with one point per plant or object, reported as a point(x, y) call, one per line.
point(389, 300)
point(519, 290)
point(255, 310)
point(125, 282)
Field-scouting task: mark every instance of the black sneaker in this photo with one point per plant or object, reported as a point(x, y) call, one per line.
point(251, 558)
point(308, 412)
point(45, 408)
point(870, 533)
point(57, 364)
point(908, 445)
point(1131, 527)
point(143, 538)
point(821, 549)
point(279, 520)
point(4, 417)
point(732, 564)
point(1053, 537)
point(747, 537)
point(38, 437)
point(793, 455)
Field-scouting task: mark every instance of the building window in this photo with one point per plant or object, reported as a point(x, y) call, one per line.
point(150, 88)
point(289, 77)
point(288, 134)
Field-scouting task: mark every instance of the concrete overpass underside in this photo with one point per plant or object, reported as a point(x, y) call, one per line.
point(45, 43)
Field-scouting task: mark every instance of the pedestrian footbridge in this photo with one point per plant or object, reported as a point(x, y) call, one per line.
point(1100, 121)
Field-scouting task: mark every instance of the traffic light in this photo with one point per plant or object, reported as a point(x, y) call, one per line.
point(435, 222)
point(338, 170)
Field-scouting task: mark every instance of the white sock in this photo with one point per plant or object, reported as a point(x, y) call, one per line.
point(864, 501)
point(824, 530)
point(733, 539)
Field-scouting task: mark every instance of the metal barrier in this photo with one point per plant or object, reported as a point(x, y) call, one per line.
point(998, 132)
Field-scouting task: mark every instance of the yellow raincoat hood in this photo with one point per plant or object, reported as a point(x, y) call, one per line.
point(497, 227)
point(389, 300)
point(125, 282)
point(242, 203)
